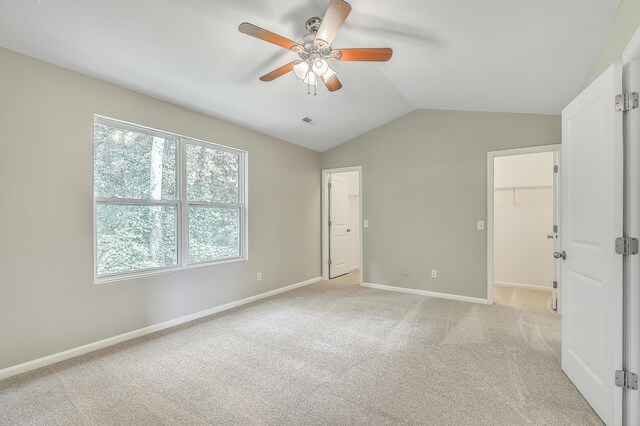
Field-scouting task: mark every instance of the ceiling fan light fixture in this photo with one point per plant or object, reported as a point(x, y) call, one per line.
point(301, 70)
point(320, 66)
point(315, 49)
point(311, 79)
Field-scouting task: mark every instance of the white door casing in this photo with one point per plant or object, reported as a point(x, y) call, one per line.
point(491, 156)
point(325, 177)
point(592, 209)
point(557, 242)
point(339, 222)
point(631, 83)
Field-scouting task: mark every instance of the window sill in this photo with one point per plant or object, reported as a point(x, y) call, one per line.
point(171, 270)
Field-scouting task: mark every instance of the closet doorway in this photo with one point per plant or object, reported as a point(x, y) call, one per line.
point(342, 223)
point(523, 228)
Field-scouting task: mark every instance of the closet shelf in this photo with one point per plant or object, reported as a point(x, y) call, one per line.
point(524, 188)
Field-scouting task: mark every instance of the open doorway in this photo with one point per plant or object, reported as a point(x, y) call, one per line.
point(523, 228)
point(341, 224)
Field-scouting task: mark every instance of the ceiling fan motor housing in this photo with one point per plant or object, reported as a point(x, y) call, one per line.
point(312, 48)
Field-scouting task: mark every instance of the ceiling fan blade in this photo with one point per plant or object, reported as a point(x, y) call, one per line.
point(270, 37)
point(278, 72)
point(364, 54)
point(333, 19)
point(333, 84)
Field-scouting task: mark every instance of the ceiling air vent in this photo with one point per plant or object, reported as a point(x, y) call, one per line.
point(306, 120)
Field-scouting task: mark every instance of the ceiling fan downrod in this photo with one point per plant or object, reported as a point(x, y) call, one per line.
point(313, 24)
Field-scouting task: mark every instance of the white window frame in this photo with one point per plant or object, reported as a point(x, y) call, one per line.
point(181, 204)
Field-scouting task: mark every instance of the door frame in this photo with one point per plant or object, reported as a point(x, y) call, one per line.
point(325, 218)
point(491, 155)
point(631, 228)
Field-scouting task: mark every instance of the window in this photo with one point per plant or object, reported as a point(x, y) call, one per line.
point(164, 201)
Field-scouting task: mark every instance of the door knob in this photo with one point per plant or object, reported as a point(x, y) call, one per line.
point(559, 255)
point(348, 230)
point(550, 236)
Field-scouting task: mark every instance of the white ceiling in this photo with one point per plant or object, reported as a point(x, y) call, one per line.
point(487, 55)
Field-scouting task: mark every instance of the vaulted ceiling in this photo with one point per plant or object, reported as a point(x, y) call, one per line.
point(480, 55)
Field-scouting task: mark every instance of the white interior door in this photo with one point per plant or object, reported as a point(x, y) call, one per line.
point(592, 203)
point(338, 225)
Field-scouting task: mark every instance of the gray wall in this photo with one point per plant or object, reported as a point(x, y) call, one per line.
point(424, 187)
point(48, 302)
point(624, 25)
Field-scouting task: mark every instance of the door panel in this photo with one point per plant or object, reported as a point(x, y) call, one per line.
point(339, 218)
point(592, 219)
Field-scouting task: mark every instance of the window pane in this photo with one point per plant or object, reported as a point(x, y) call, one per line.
point(212, 175)
point(214, 233)
point(130, 164)
point(133, 237)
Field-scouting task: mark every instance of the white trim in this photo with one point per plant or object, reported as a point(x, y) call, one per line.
point(490, 156)
point(632, 51)
point(104, 119)
point(520, 285)
point(426, 293)
point(528, 150)
point(325, 218)
point(631, 274)
point(106, 279)
point(81, 350)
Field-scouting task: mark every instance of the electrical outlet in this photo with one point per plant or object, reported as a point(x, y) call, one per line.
point(434, 273)
point(406, 271)
point(259, 276)
point(366, 223)
point(480, 225)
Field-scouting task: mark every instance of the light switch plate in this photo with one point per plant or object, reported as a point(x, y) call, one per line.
point(366, 223)
point(480, 225)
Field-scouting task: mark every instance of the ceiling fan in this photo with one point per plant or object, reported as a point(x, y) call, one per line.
point(315, 49)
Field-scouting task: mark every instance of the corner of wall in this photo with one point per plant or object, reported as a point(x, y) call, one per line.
point(624, 24)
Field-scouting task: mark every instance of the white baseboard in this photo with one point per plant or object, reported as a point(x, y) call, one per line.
point(81, 350)
point(426, 293)
point(519, 285)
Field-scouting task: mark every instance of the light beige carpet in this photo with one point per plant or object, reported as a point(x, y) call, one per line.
point(523, 298)
point(328, 353)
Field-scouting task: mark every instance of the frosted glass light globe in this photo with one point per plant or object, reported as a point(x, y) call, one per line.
point(320, 66)
point(301, 69)
point(311, 79)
